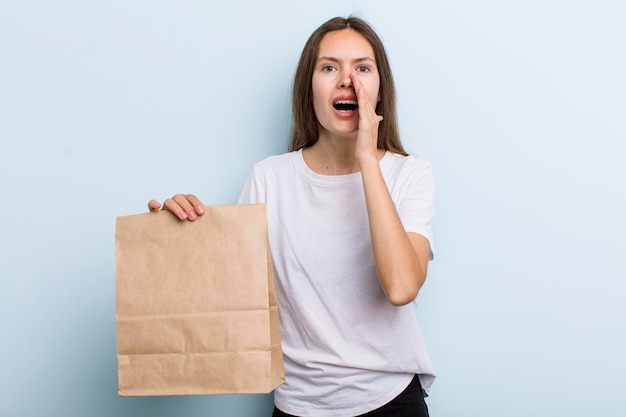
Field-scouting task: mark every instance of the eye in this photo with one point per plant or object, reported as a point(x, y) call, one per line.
point(327, 68)
point(363, 68)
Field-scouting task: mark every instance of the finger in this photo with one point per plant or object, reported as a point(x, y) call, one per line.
point(186, 205)
point(196, 203)
point(174, 205)
point(365, 107)
point(153, 205)
point(359, 89)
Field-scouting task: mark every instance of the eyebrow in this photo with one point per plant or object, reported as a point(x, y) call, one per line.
point(333, 59)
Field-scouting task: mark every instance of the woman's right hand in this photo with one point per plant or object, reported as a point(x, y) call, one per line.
point(183, 206)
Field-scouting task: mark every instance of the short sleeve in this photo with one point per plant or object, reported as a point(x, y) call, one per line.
point(416, 205)
point(253, 191)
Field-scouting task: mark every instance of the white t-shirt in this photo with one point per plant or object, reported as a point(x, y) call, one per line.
point(347, 350)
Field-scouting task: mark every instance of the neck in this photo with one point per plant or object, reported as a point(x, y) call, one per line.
point(333, 156)
point(330, 160)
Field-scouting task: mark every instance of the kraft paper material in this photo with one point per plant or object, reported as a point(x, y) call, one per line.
point(196, 305)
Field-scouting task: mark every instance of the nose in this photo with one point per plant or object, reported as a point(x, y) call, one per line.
point(346, 80)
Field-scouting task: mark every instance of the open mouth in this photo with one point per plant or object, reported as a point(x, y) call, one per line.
point(345, 105)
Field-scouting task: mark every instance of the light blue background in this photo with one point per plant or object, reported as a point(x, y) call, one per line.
point(520, 106)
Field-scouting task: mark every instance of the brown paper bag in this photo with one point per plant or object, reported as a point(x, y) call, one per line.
point(196, 306)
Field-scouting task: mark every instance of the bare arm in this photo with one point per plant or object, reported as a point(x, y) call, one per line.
point(401, 258)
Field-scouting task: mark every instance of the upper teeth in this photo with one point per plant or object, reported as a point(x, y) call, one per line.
point(345, 102)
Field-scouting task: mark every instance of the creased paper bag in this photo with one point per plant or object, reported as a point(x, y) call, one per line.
point(195, 303)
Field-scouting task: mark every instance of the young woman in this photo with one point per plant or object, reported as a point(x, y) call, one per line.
point(349, 217)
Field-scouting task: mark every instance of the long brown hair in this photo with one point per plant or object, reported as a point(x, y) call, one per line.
point(304, 131)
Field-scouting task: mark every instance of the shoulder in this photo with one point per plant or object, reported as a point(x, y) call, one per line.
point(277, 161)
point(406, 165)
point(265, 176)
point(274, 164)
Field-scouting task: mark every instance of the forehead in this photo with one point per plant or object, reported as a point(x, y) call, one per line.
point(345, 43)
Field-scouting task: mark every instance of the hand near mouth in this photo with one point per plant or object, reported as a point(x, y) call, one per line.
point(367, 137)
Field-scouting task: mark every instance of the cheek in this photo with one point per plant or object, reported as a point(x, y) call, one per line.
point(322, 91)
point(372, 86)
point(317, 91)
point(375, 95)
point(317, 101)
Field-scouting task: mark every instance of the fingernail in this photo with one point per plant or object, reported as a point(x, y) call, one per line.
point(200, 209)
point(192, 216)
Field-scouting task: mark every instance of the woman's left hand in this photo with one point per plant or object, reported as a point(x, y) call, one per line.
point(367, 138)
